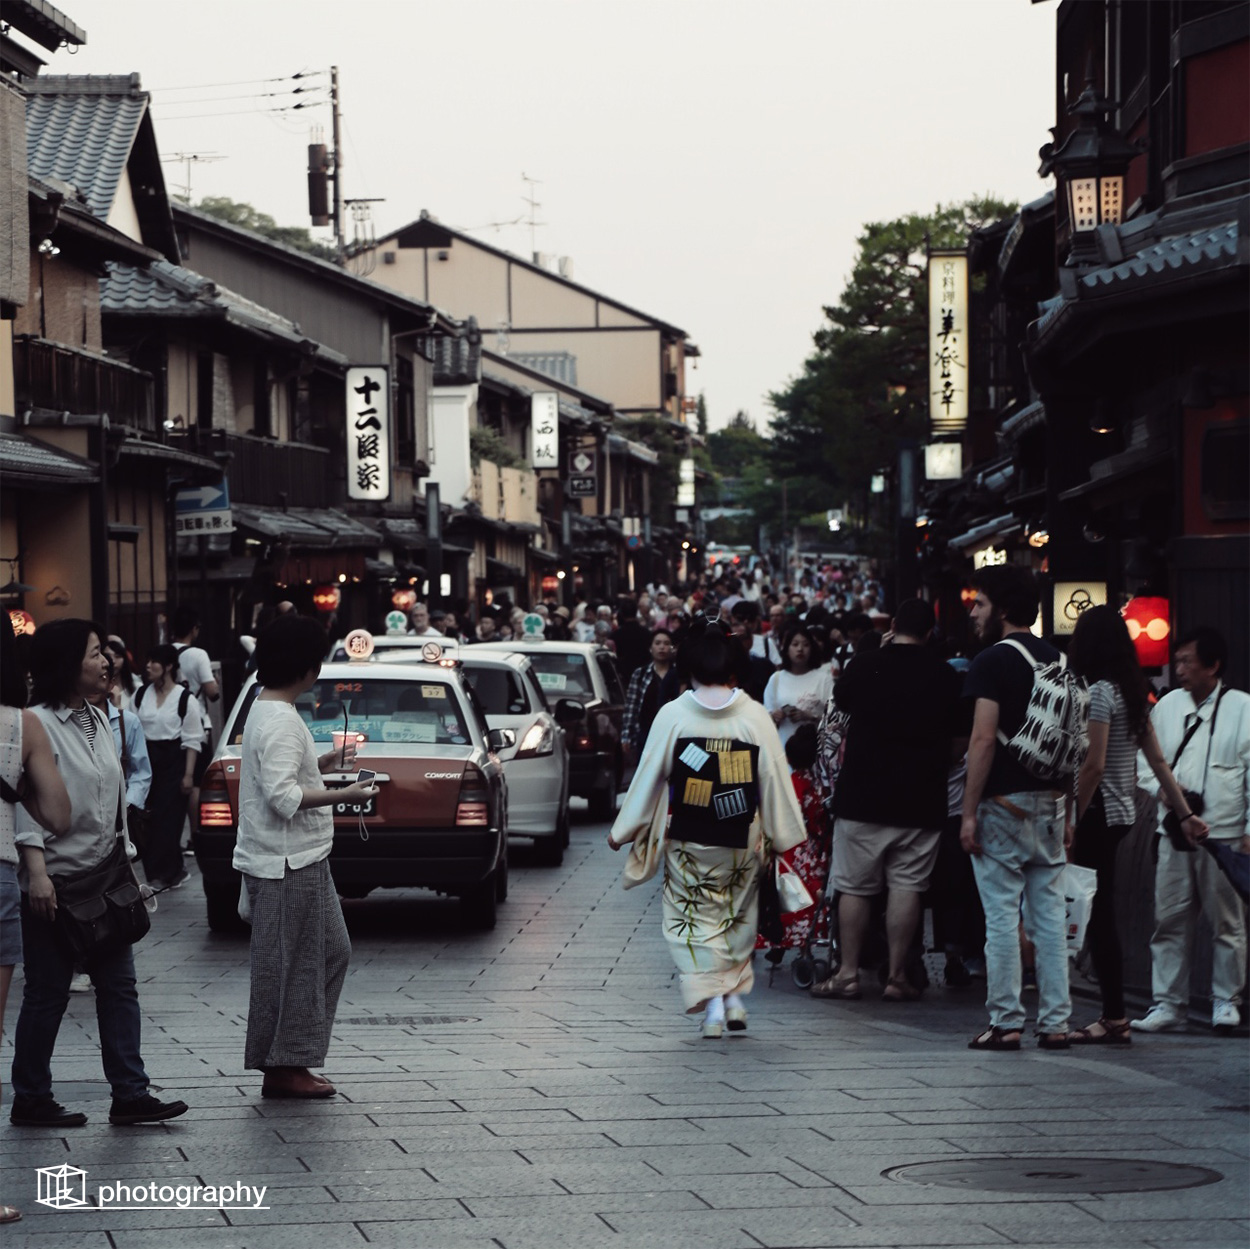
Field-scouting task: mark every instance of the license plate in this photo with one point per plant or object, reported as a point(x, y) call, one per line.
point(367, 808)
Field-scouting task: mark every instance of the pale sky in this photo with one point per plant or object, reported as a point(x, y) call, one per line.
point(707, 161)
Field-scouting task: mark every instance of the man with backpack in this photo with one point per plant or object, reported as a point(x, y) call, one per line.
point(196, 671)
point(1028, 738)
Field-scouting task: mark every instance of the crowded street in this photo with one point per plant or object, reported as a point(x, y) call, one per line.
point(538, 1085)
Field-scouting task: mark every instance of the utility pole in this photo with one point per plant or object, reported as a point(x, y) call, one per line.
point(337, 139)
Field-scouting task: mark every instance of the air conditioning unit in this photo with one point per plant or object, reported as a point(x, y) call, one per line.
point(388, 258)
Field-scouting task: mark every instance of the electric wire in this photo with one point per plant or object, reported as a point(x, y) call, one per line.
point(243, 82)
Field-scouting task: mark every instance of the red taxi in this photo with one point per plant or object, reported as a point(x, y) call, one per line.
point(440, 817)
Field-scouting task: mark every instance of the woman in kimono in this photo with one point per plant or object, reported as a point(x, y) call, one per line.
point(712, 800)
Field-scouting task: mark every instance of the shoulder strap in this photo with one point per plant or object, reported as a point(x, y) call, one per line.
point(121, 727)
point(139, 694)
point(8, 794)
point(183, 699)
point(1034, 663)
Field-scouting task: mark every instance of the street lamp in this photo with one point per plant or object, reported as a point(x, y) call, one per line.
point(1090, 165)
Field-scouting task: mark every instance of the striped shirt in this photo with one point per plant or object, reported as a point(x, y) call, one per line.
point(1119, 778)
point(86, 722)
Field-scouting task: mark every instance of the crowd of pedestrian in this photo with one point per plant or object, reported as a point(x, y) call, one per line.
point(806, 768)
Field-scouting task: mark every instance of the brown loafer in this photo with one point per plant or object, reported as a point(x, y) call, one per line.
point(295, 1083)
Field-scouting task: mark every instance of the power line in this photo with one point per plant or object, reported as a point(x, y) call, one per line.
point(251, 95)
point(261, 112)
point(244, 82)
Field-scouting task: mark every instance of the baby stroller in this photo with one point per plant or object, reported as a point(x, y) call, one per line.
point(818, 955)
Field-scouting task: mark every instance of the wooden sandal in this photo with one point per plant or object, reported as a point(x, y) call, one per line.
point(1112, 1034)
point(995, 1038)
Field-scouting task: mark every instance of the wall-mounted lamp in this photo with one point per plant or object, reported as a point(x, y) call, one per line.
point(48, 248)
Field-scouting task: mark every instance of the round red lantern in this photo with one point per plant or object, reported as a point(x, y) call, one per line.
point(404, 600)
point(1149, 626)
point(22, 621)
point(327, 598)
point(551, 585)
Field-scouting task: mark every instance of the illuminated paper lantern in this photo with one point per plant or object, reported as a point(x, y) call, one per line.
point(327, 598)
point(404, 600)
point(1149, 626)
point(551, 585)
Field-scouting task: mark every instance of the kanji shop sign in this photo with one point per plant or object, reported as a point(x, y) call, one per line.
point(948, 342)
point(368, 432)
point(545, 430)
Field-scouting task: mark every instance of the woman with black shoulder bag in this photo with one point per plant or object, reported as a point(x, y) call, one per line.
point(69, 875)
point(1119, 723)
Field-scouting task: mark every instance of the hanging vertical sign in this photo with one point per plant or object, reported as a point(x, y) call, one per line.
point(545, 430)
point(948, 342)
point(368, 433)
point(685, 483)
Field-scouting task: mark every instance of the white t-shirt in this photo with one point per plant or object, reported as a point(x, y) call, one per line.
point(196, 669)
point(810, 692)
point(279, 762)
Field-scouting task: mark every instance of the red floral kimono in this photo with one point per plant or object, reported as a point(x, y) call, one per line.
point(810, 860)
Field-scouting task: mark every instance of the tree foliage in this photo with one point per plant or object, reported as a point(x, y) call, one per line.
point(866, 385)
point(238, 213)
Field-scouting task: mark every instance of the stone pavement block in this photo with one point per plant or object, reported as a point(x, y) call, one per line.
point(764, 1189)
point(19, 1235)
point(1181, 1233)
point(667, 1160)
point(278, 1236)
point(1223, 1200)
point(623, 1199)
point(575, 1232)
point(389, 1209)
point(1033, 1115)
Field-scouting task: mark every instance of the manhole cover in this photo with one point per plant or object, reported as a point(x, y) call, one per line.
point(1057, 1175)
point(412, 1020)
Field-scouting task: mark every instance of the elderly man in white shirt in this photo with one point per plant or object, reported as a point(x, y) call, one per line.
point(1203, 728)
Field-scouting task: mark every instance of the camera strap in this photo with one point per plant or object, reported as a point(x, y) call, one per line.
point(1193, 729)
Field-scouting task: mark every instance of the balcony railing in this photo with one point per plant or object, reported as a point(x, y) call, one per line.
point(74, 380)
point(263, 471)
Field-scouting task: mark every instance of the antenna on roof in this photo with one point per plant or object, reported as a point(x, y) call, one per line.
point(188, 159)
point(533, 221)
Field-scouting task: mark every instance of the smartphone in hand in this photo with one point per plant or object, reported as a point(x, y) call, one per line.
point(365, 776)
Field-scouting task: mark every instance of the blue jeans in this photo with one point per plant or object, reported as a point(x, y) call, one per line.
point(1024, 857)
point(44, 999)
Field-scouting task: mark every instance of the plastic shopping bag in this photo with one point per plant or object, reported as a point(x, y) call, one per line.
point(1079, 885)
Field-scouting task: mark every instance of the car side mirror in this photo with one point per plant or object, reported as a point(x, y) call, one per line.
point(569, 711)
point(501, 739)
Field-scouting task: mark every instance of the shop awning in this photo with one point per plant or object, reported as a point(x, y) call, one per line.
point(306, 527)
point(1120, 476)
point(28, 463)
point(978, 535)
point(501, 570)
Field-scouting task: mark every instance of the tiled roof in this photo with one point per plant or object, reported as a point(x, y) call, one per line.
point(1176, 258)
point(29, 461)
point(306, 527)
point(81, 129)
point(165, 290)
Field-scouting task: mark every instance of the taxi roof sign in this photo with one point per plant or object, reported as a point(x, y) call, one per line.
point(396, 622)
point(358, 644)
point(533, 626)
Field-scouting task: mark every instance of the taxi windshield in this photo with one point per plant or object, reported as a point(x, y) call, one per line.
point(562, 674)
point(383, 710)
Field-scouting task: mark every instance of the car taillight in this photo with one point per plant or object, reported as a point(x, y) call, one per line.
point(473, 804)
point(215, 810)
point(537, 740)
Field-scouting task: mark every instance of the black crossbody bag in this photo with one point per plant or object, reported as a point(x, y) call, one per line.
point(1172, 820)
point(101, 909)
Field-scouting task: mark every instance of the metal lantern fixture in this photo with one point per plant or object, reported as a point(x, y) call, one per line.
point(327, 598)
point(404, 600)
point(1090, 164)
point(1149, 626)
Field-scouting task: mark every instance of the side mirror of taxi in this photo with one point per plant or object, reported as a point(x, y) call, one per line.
point(569, 711)
point(501, 739)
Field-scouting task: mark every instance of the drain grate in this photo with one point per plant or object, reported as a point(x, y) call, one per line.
point(1039, 1175)
point(410, 1021)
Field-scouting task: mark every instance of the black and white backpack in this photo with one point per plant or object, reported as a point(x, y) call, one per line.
point(1052, 740)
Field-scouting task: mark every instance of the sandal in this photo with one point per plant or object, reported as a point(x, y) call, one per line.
point(995, 1038)
point(831, 987)
point(1053, 1041)
point(900, 992)
point(1112, 1034)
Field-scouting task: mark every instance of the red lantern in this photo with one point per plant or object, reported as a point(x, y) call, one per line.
point(551, 586)
point(404, 600)
point(22, 621)
point(327, 598)
point(1149, 626)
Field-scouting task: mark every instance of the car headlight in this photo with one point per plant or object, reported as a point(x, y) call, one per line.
point(538, 740)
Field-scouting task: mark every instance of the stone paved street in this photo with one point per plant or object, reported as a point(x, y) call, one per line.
point(539, 1086)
